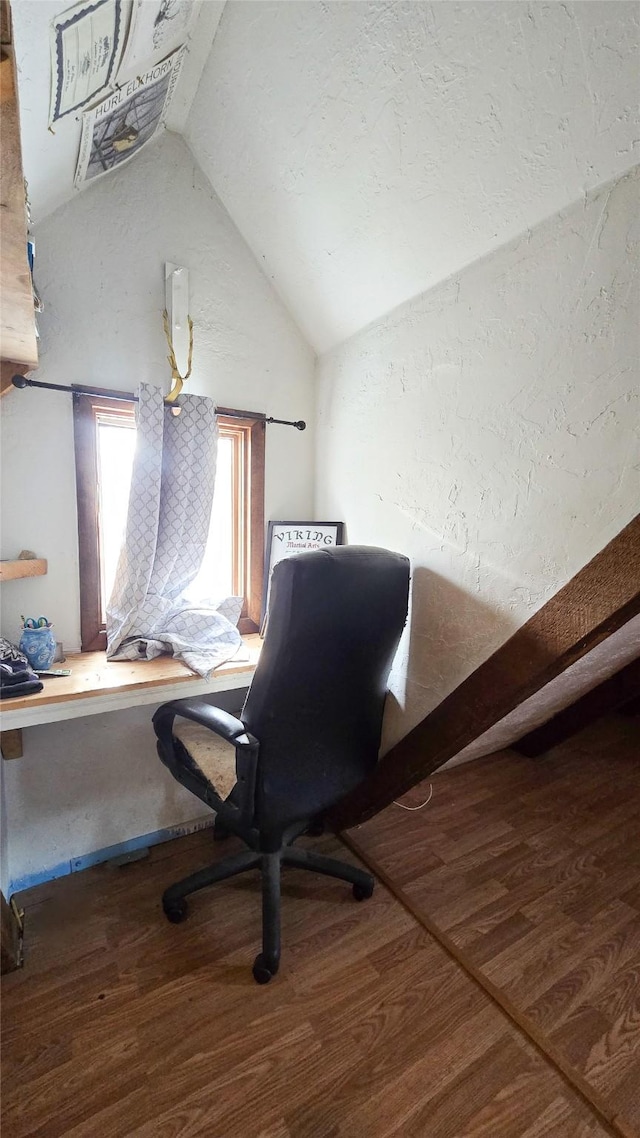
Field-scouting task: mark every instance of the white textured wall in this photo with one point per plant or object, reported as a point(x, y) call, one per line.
point(100, 270)
point(367, 149)
point(85, 785)
point(489, 429)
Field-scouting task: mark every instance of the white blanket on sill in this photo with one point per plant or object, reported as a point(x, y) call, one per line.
point(166, 535)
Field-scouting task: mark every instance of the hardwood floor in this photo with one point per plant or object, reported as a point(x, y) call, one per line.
point(530, 871)
point(121, 1024)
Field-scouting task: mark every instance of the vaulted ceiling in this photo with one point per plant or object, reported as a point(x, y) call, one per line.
point(367, 150)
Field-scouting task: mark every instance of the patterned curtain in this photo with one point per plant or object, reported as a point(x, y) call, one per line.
point(167, 527)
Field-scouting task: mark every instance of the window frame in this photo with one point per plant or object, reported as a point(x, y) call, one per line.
point(248, 430)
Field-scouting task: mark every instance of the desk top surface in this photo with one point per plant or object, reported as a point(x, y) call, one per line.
point(92, 675)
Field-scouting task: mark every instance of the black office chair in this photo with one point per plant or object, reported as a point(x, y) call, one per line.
point(309, 731)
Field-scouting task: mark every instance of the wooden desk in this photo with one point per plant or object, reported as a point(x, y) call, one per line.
point(97, 685)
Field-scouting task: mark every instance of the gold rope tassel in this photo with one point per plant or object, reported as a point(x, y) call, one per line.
point(177, 380)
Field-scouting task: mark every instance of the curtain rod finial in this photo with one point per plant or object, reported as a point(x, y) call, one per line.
point(20, 381)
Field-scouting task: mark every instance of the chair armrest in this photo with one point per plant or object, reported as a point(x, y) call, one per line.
point(221, 722)
point(229, 728)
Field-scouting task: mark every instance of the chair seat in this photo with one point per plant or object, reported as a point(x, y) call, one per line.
point(210, 756)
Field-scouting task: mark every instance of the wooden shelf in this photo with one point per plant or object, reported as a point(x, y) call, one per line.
point(18, 343)
point(97, 685)
point(13, 570)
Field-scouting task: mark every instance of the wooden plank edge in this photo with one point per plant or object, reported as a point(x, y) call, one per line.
point(18, 339)
point(621, 688)
point(23, 567)
point(10, 937)
point(11, 743)
point(7, 88)
point(608, 1118)
point(9, 368)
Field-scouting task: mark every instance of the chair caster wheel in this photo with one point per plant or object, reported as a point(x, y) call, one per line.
point(262, 973)
point(363, 892)
point(175, 911)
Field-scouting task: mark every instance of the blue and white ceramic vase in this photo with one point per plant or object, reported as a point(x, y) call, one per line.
point(39, 646)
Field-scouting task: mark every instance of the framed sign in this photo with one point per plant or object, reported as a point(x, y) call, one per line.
point(285, 539)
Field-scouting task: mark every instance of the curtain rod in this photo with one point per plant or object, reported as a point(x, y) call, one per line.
point(21, 381)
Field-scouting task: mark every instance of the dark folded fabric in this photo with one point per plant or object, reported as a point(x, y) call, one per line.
point(27, 688)
point(17, 678)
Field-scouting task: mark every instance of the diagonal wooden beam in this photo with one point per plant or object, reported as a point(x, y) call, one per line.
point(602, 597)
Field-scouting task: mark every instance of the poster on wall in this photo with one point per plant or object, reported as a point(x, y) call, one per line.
point(86, 43)
point(285, 539)
point(157, 27)
point(118, 128)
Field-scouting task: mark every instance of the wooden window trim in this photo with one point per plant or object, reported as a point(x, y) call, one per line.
point(249, 487)
point(92, 635)
point(249, 483)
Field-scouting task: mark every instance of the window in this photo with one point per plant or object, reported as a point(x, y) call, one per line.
point(105, 435)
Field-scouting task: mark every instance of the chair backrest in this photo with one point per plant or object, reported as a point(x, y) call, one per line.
point(317, 697)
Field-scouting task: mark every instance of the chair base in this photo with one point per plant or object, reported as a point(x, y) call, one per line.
point(267, 962)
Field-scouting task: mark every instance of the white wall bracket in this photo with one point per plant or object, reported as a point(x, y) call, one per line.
point(176, 281)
